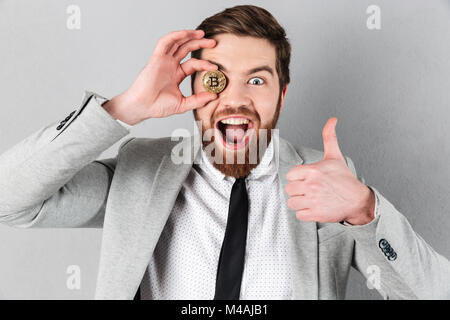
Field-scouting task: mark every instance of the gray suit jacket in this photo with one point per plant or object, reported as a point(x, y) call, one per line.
point(52, 180)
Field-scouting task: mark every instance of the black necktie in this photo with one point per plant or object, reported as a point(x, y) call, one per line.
point(231, 260)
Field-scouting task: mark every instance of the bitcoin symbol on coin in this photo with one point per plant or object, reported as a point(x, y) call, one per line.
point(214, 81)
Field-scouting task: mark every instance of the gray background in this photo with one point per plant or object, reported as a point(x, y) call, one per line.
point(389, 88)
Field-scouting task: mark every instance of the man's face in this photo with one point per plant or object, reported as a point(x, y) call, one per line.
point(251, 101)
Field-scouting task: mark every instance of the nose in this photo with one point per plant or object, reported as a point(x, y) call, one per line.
point(235, 95)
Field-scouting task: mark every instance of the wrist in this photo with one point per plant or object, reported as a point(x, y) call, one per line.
point(366, 211)
point(120, 108)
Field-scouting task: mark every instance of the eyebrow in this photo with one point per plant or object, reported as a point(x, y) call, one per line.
point(251, 71)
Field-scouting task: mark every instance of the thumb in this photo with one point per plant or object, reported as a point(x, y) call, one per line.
point(196, 101)
point(330, 142)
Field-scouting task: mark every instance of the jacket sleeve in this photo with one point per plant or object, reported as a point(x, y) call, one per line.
point(51, 178)
point(396, 260)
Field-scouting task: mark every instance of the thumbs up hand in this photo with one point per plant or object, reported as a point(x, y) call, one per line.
point(327, 191)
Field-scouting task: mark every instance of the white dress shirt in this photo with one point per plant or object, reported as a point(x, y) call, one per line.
point(185, 260)
point(184, 263)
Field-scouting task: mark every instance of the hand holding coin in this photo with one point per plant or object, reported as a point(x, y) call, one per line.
point(156, 93)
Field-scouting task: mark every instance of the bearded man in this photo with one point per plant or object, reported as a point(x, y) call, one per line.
point(234, 221)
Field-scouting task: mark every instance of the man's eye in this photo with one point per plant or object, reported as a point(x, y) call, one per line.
point(256, 81)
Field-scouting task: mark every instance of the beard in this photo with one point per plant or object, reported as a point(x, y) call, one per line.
point(242, 162)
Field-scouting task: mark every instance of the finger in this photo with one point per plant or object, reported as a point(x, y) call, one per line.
point(164, 44)
point(181, 42)
point(305, 215)
point(193, 45)
point(330, 142)
point(176, 45)
point(296, 188)
point(192, 65)
point(299, 203)
point(196, 101)
point(299, 172)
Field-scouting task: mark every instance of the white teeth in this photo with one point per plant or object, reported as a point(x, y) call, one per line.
point(235, 121)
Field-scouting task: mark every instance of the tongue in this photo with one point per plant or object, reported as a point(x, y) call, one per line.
point(234, 132)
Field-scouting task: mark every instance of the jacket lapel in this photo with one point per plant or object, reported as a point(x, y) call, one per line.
point(303, 235)
point(135, 219)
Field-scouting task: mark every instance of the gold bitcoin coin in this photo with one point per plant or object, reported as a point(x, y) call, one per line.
point(214, 81)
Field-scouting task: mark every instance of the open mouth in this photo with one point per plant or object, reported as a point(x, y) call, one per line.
point(235, 131)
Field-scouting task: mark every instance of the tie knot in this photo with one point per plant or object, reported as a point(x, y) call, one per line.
point(240, 180)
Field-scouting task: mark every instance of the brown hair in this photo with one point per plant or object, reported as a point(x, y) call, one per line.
point(248, 20)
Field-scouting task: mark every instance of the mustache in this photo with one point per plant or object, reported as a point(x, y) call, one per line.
point(253, 116)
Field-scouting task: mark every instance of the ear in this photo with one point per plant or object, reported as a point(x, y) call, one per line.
point(283, 94)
